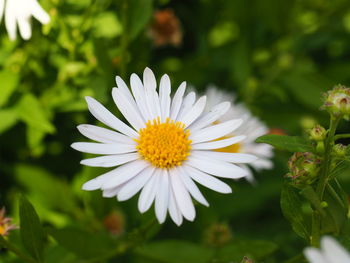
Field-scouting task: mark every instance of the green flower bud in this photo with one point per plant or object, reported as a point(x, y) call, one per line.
point(337, 102)
point(318, 133)
point(303, 168)
point(339, 150)
point(218, 235)
point(247, 260)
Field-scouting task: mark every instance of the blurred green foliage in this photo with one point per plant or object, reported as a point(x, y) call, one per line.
point(277, 56)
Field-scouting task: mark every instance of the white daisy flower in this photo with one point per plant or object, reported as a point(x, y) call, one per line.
point(168, 145)
point(251, 127)
point(331, 252)
point(19, 12)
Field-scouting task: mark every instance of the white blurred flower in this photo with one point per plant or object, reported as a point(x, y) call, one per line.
point(251, 128)
point(19, 12)
point(330, 252)
point(169, 144)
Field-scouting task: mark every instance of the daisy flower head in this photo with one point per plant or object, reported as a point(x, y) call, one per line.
point(251, 129)
point(168, 146)
point(5, 223)
point(330, 252)
point(20, 12)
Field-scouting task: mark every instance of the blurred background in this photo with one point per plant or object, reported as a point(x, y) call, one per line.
point(277, 57)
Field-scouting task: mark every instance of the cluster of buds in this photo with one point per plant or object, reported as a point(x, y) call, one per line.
point(337, 102)
point(339, 150)
point(218, 235)
point(5, 223)
point(303, 167)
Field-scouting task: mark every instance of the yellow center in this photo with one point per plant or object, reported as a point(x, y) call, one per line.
point(164, 145)
point(234, 148)
point(2, 230)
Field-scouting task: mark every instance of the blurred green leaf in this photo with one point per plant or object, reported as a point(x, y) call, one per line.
point(292, 210)
point(175, 251)
point(32, 233)
point(8, 118)
point(84, 244)
point(138, 14)
point(289, 143)
point(30, 110)
point(36, 180)
point(9, 82)
point(255, 249)
point(107, 25)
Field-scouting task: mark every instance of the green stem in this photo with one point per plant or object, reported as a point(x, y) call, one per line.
point(16, 251)
point(323, 181)
point(342, 136)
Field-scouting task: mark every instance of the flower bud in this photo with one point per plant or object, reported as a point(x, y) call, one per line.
point(337, 101)
point(247, 260)
point(218, 235)
point(318, 133)
point(339, 150)
point(5, 223)
point(303, 167)
point(114, 223)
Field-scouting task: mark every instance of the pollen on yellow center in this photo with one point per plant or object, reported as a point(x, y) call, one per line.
point(164, 144)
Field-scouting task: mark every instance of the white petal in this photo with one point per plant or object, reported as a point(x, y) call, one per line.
point(140, 96)
point(164, 96)
point(152, 100)
point(218, 144)
point(314, 256)
point(207, 180)
point(24, 27)
point(192, 187)
point(214, 132)
point(133, 186)
point(110, 160)
point(103, 135)
point(209, 118)
point(217, 168)
point(10, 20)
point(103, 148)
point(39, 13)
point(182, 197)
point(106, 117)
point(186, 105)
point(124, 173)
point(148, 193)
point(177, 101)
point(194, 112)
point(127, 108)
point(162, 196)
point(108, 193)
point(333, 251)
point(124, 88)
point(174, 210)
point(226, 157)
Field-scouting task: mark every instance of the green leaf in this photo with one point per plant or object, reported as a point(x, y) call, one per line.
point(289, 143)
point(175, 251)
point(309, 193)
point(255, 249)
point(101, 29)
point(36, 180)
point(84, 244)
point(291, 206)
point(8, 118)
point(139, 13)
point(32, 233)
point(33, 114)
point(9, 82)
